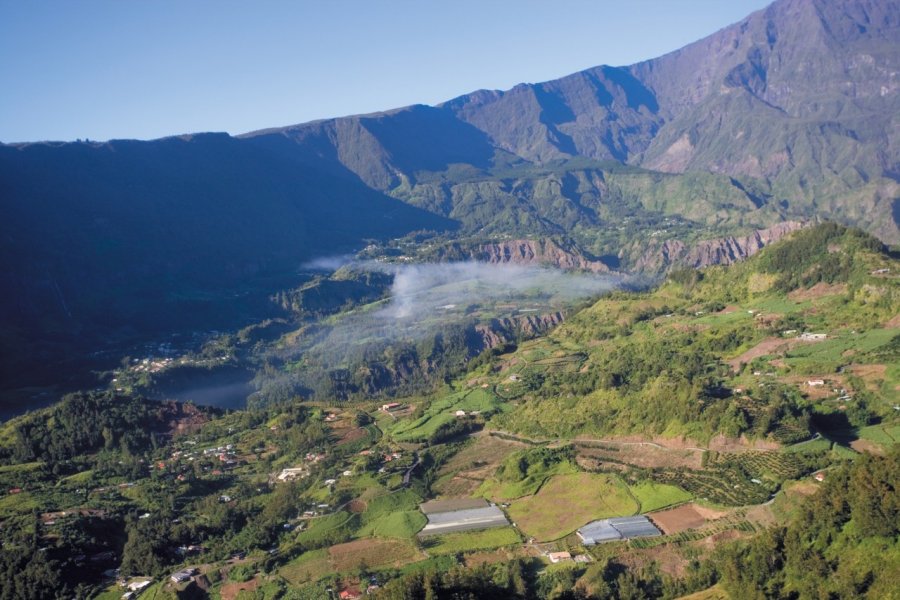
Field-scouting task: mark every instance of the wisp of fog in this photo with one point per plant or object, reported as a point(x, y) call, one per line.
point(426, 297)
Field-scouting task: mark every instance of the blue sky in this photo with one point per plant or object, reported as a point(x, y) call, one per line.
point(104, 69)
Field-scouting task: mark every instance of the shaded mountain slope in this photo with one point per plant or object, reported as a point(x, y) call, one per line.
point(148, 237)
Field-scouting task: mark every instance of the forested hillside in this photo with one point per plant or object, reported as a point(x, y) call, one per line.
point(672, 361)
point(747, 412)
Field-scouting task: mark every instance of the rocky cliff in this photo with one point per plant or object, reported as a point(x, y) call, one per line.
point(505, 330)
point(720, 251)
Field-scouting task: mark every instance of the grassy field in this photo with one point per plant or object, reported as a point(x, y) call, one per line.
point(468, 541)
point(503, 491)
point(654, 496)
point(320, 527)
point(809, 447)
point(310, 566)
point(393, 515)
point(401, 524)
point(370, 553)
point(373, 553)
point(440, 412)
point(566, 502)
point(884, 435)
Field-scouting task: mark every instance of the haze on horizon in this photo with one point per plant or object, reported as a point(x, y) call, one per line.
point(102, 69)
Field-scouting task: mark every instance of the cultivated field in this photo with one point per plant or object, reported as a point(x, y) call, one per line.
point(468, 541)
point(478, 461)
point(566, 502)
point(373, 553)
point(640, 455)
point(688, 516)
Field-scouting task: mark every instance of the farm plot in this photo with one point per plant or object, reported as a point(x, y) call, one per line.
point(469, 468)
point(392, 515)
point(687, 516)
point(310, 566)
point(714, 531)
point(566, 502)
point(486, 539)
point(885, 435)
point(826, 356)
point(774, 465)
point(373, 553)
point(645, 456)
point(441, 412)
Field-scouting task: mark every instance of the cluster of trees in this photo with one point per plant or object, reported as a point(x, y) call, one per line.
point(809, 259)
point(837, 544)
point(86, 422)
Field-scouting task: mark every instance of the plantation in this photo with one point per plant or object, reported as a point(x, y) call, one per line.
point(773, 465)
point(726, 487)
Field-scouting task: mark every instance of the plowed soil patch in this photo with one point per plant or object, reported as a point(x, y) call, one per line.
point(687, 516)
point(771, 345)
point(230, 591)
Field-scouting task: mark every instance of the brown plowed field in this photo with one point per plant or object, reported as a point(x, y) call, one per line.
point(686, 516)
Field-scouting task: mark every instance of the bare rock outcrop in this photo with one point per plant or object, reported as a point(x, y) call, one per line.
point(720, 251)
point(544, 252)
point(501, 331)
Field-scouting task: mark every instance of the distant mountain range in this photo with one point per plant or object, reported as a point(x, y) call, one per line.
point(799, 102)
point(791, 114)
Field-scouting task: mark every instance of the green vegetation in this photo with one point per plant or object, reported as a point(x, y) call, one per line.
point(668, 362)
point(468, 541)
point(523, 473)
point(843, 542)
point(566, 502)
point(306, 495)
point(654, 496)
point(438, 420)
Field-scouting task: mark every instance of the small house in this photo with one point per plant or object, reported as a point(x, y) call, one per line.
point(812, 337)
point(556, 557)
point(349, 594)
point(137, 586)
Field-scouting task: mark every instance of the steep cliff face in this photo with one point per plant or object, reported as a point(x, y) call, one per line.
point(542, 252)
point(720, 251)
point(502, 331)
